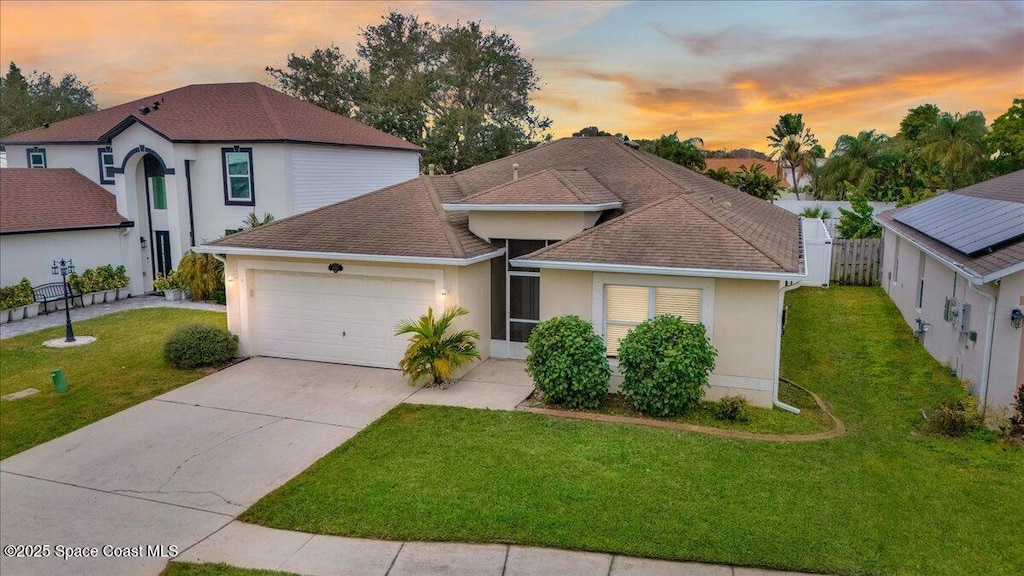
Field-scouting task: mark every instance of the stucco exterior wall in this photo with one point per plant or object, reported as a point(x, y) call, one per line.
point(529, 225)
point(474, 294)
point(30, 255)
point(740, 316)
point(564, 292)
point(82, 158)
point(963, 355)
point(322, 175)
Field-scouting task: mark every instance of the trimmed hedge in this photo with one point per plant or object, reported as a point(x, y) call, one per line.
point(567, 362)
point(665, 363)
point(198, 345)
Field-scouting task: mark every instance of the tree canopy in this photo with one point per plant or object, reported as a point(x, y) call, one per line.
point(29, 102)
point(462, 92)
point(752, 180)
point(1006, 140)
point(682, 152)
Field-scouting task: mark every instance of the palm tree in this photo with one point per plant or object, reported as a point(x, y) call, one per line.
point(433, 353)
point(752, 180)
point(854, 159)
point(956, 143)
point(793, 146)
point(721, 174)
point(253, 221)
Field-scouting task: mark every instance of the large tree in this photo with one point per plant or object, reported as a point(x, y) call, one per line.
point(957, 144)
point(918, 121)
point(794, 147)
point(752, 180)
point(27, 103)
point(1006, 139)
point(462, 92)
point(682, 152)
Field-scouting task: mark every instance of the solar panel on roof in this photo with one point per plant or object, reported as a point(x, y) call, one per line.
point(966, 223)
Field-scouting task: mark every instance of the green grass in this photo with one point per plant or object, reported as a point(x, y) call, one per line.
point(125, 366)
point(207, 569)
point(883, 499)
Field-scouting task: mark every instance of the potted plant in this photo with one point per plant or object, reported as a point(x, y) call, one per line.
point(8, 299)
point(32, 307)
point(169, 285)
point(108, 281)
point(78, 287)
point(121, 282)
point(91, 285)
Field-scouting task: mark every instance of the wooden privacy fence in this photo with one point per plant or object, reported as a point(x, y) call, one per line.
point(856, 262)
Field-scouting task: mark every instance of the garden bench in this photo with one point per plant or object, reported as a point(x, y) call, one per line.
point(54, 292)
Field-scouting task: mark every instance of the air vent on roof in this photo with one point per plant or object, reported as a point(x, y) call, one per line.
point(968, 224)
point(631, 144)
point(144, 110)
point(156, 105)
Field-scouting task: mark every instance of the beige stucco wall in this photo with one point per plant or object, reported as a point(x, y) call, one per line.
point(530, 225)
point(474, 294)
point(564, 292)
point(956, 350)
point(741, 321)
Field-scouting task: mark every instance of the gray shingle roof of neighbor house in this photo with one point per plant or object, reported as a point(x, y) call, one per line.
point(670, 216)
point(232, 112)
point(979, 229)
point(47, 199)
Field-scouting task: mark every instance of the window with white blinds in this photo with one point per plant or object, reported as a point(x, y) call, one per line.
point(627, 306)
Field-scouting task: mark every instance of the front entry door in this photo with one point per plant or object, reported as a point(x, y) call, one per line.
point(163, 252)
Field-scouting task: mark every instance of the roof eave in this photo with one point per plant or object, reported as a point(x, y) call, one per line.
point(532, 207)
point(971, 275)
point(122, 224)
point(658, 270)
point(308, 255)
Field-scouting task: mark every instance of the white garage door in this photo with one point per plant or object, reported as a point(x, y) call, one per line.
point(336, 317)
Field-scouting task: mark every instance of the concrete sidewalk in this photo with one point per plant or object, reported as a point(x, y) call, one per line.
point(44, 321)
point(251, 546)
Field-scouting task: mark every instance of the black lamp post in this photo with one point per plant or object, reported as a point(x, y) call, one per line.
point(65, 267)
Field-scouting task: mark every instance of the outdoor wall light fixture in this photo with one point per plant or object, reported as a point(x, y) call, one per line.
point(922, 327)
point(1016, 318)
point(444, 292)
point(335, 267)
point(230, 279)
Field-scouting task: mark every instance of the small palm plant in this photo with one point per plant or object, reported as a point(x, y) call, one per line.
point(432, 352)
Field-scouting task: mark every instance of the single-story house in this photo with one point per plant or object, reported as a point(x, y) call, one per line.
point(954, 266)
point(188, 165)
point(584, 226)
point(57, 213)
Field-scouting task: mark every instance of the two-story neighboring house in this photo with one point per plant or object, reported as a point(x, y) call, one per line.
point(187, 166)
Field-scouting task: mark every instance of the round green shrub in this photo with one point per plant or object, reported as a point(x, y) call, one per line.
point(567, 362)
point(665, 363)
point(197, 345)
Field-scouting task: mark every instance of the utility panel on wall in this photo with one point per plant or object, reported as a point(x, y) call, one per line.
point(961, 316)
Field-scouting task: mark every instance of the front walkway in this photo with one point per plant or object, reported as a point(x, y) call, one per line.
point(251, 546)
point(44, 321)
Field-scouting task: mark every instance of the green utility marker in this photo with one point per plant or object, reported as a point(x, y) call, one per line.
point(59, 383)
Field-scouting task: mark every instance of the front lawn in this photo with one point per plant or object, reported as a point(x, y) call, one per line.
point(125, 366)
point(883, 499)
point(210, 569)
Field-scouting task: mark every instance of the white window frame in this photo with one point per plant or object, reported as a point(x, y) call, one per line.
point(106, 169)
point(705, 285)
point(30, 152)
point(228, 177)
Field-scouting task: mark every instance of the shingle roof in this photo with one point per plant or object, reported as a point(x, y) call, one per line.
point(41, 199)
point(547, 187)
point(682, 218)
point(1007, 188)
point(237, 112)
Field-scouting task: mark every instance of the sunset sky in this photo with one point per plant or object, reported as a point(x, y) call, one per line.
point(721, 71)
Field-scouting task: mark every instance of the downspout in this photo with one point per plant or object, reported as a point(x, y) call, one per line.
point(990, 331)
point(778, 349)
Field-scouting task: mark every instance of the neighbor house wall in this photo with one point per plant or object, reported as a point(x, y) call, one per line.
point(530, 225)
point(322, 175)
point(964, 357)
point(30, 255)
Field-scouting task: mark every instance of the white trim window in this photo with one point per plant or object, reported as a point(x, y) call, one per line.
point(239, 188)
point(106, 160)
point(36, 157)
point(627, 306)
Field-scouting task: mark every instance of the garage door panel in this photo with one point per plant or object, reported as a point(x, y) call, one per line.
point(345, 319)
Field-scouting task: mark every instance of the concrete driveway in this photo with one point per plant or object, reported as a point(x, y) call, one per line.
point(175, 469)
